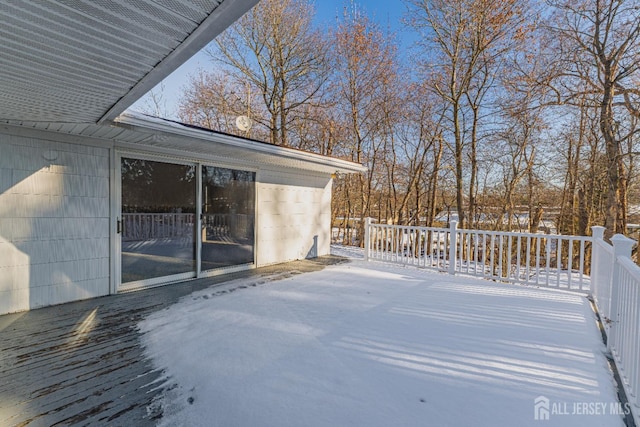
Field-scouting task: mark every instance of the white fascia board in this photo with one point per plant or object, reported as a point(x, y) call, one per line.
point(139, 123)
point(219, 20)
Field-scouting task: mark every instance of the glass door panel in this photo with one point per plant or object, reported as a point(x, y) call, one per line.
point(228, 216)
point(158, 219)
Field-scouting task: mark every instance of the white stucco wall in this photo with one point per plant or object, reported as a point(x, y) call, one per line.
point(54, 222)
point(293, 216)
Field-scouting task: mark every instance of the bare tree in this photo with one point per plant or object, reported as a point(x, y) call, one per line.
point(418, 146)
point(155, 102)
point(364, 86)
point(522, 113)
point(468, 37)
point(275, 49)
point(213, 99)
point(598, 55)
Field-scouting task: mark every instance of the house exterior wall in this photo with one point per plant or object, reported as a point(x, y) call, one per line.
point(54, 222)
point(293, 216)
point(56, 212)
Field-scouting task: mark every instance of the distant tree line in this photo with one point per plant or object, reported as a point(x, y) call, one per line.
point(502, 109)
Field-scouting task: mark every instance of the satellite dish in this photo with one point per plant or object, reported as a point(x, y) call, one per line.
point(243, 123)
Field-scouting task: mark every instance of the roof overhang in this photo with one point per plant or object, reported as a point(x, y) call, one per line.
point(134, 132)
point(73, 67)
point(168, 135)
point(84, 61)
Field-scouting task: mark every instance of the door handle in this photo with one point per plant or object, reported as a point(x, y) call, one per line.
point(118, 226)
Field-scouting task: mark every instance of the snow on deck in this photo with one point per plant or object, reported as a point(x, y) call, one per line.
point(371, 344)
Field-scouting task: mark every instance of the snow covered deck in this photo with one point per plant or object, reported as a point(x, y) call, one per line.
point(82, 363)
point(353, 344)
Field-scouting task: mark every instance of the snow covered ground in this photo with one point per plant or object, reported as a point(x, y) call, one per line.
point(369, 344)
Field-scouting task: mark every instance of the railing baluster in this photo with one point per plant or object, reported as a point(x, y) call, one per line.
point(548, 258)
point(396, 234)
point(509, 257)
point(493, 239)
point(518, 258)
point(484, 254)
point(582, 253)
point(558, 261)
point(500, 251)
point(538, 243)
point(528, 258)
point(570, 262)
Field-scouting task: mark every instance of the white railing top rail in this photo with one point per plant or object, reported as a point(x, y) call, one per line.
point(157, 213)
point(551, 260)
point(519, 234)
point(487, 232)
point(408, 227)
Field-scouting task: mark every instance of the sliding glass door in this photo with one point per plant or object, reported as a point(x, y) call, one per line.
point(228, 216)
point(158, 219)
point(165, 226)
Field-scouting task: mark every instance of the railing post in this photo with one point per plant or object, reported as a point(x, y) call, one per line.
point(367, 237)
point(621, 248)
point(597, 233)
point(453, 246)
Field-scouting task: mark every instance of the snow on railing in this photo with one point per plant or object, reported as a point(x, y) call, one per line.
point(535, 259)
point(609, 275)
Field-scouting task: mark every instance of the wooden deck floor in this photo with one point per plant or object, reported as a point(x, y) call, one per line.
point(82, 363)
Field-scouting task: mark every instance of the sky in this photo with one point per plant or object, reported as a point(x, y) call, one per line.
point(388, 14)
point(383, 12)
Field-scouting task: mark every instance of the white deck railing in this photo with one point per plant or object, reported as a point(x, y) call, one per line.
point(576, 263)
point(536, 259)
point(144, 226)
point(623, 335)
point(616, 293)
point(602, 264)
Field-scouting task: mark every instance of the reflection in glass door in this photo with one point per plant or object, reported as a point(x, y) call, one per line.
point(158, 219)
point(228, 216)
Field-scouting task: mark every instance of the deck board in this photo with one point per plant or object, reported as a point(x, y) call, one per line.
point(82, 363)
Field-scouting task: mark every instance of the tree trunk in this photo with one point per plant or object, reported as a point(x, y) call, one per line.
point(614, 221)
point(459, 167)
point(474, 169)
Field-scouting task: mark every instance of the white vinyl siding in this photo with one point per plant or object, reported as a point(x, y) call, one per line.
point(59, 197)
point(54, 222)
point(293, 216)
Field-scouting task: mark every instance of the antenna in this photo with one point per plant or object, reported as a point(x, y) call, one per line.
point(243, 123)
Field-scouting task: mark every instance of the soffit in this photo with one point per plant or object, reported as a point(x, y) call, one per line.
point(86, 61)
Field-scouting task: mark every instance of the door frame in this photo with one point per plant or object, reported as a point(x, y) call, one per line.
point(116, 284)
point(117, 253)
point(231, 268)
